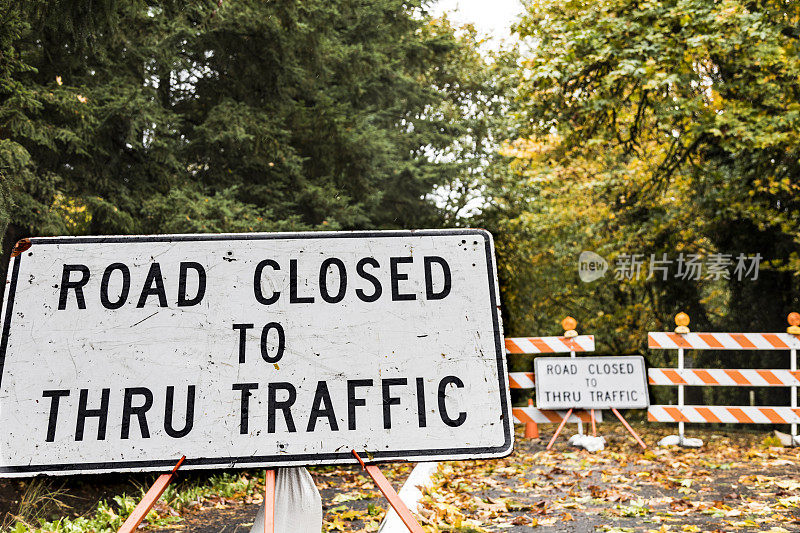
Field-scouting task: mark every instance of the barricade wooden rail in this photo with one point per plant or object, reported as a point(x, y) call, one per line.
point(562, 344)
point(530, 414)
point(682, 339)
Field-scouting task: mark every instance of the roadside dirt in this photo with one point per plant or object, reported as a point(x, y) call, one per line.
point(349, 499)
point(349, 496)
point(735, 482)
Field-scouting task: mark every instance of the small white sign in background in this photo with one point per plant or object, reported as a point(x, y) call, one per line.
point(125, 353)
point(591, 382)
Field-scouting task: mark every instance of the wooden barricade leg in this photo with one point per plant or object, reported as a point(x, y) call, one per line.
point(388, 491)
point(560, 427)
point(681, 426)
point(793, 389)
point(594, 424)
point(572, 355)
point(150, 499)
point(630, 429)
point(269, 501)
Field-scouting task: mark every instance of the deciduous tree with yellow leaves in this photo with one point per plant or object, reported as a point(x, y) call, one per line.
point(652, 127)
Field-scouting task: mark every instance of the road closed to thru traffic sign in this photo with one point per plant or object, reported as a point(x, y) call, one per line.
point(125, 353)
point(591, 382)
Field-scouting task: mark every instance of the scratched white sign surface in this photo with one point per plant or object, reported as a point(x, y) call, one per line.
point(591, 382)
point(125, 353)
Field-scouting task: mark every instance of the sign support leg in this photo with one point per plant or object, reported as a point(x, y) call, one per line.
point(560, 427)
point(630, 429)
point(793, 403)
point(680, 396)
point(269, 500)
point(150, 499)
point(580, 423)
point(388, 491)
point(594, 424)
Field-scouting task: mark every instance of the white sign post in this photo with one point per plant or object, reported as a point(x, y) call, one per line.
point(126, 353)
point(591, 382)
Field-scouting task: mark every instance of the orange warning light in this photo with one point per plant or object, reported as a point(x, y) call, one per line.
point(682, 320)
point(571, 323)
point(794, 323)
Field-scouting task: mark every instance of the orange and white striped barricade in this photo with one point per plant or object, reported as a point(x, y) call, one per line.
point(554, 345)
point(570, 343)
point(533, 415)
point(681, 377)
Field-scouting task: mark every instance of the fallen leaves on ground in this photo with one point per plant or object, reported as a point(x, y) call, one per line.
point(733, 482)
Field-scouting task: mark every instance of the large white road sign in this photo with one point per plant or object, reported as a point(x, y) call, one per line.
point(125, 353)
point(591, 382)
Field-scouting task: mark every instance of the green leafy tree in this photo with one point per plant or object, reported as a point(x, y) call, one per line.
point(143, 117)
point(654, 128)
point(92, 139)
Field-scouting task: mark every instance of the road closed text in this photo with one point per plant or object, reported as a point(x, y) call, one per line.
point(331, 279)
point(591, 382)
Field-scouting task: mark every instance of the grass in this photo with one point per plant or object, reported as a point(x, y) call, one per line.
point(38, 496)
point(108, 516)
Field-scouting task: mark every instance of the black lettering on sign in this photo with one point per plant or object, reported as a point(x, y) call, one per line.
point(265, 347)
point(77, 285)
point(183, 301)
point(123, 293)
point(168, 414)
point(563, 396)
point(421, 416)
point(259, 293)
point(55, 398)
point(559, 369)
point(322, 396)
point(293, 297)
point(128, 410)
point(101, 414)
point(388, 400)
point(244, 410)
point(397, 277)
point(242, 339)
point(353, 402)
point(378, 290)
point(430, 294)
point(153, 286)
point(323, 280)
point(273, 405)
point(462, 416)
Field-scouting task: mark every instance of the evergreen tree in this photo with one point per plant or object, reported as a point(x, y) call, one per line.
point(167, 116)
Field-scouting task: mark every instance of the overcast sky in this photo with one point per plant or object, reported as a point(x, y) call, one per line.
point(492, 17)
